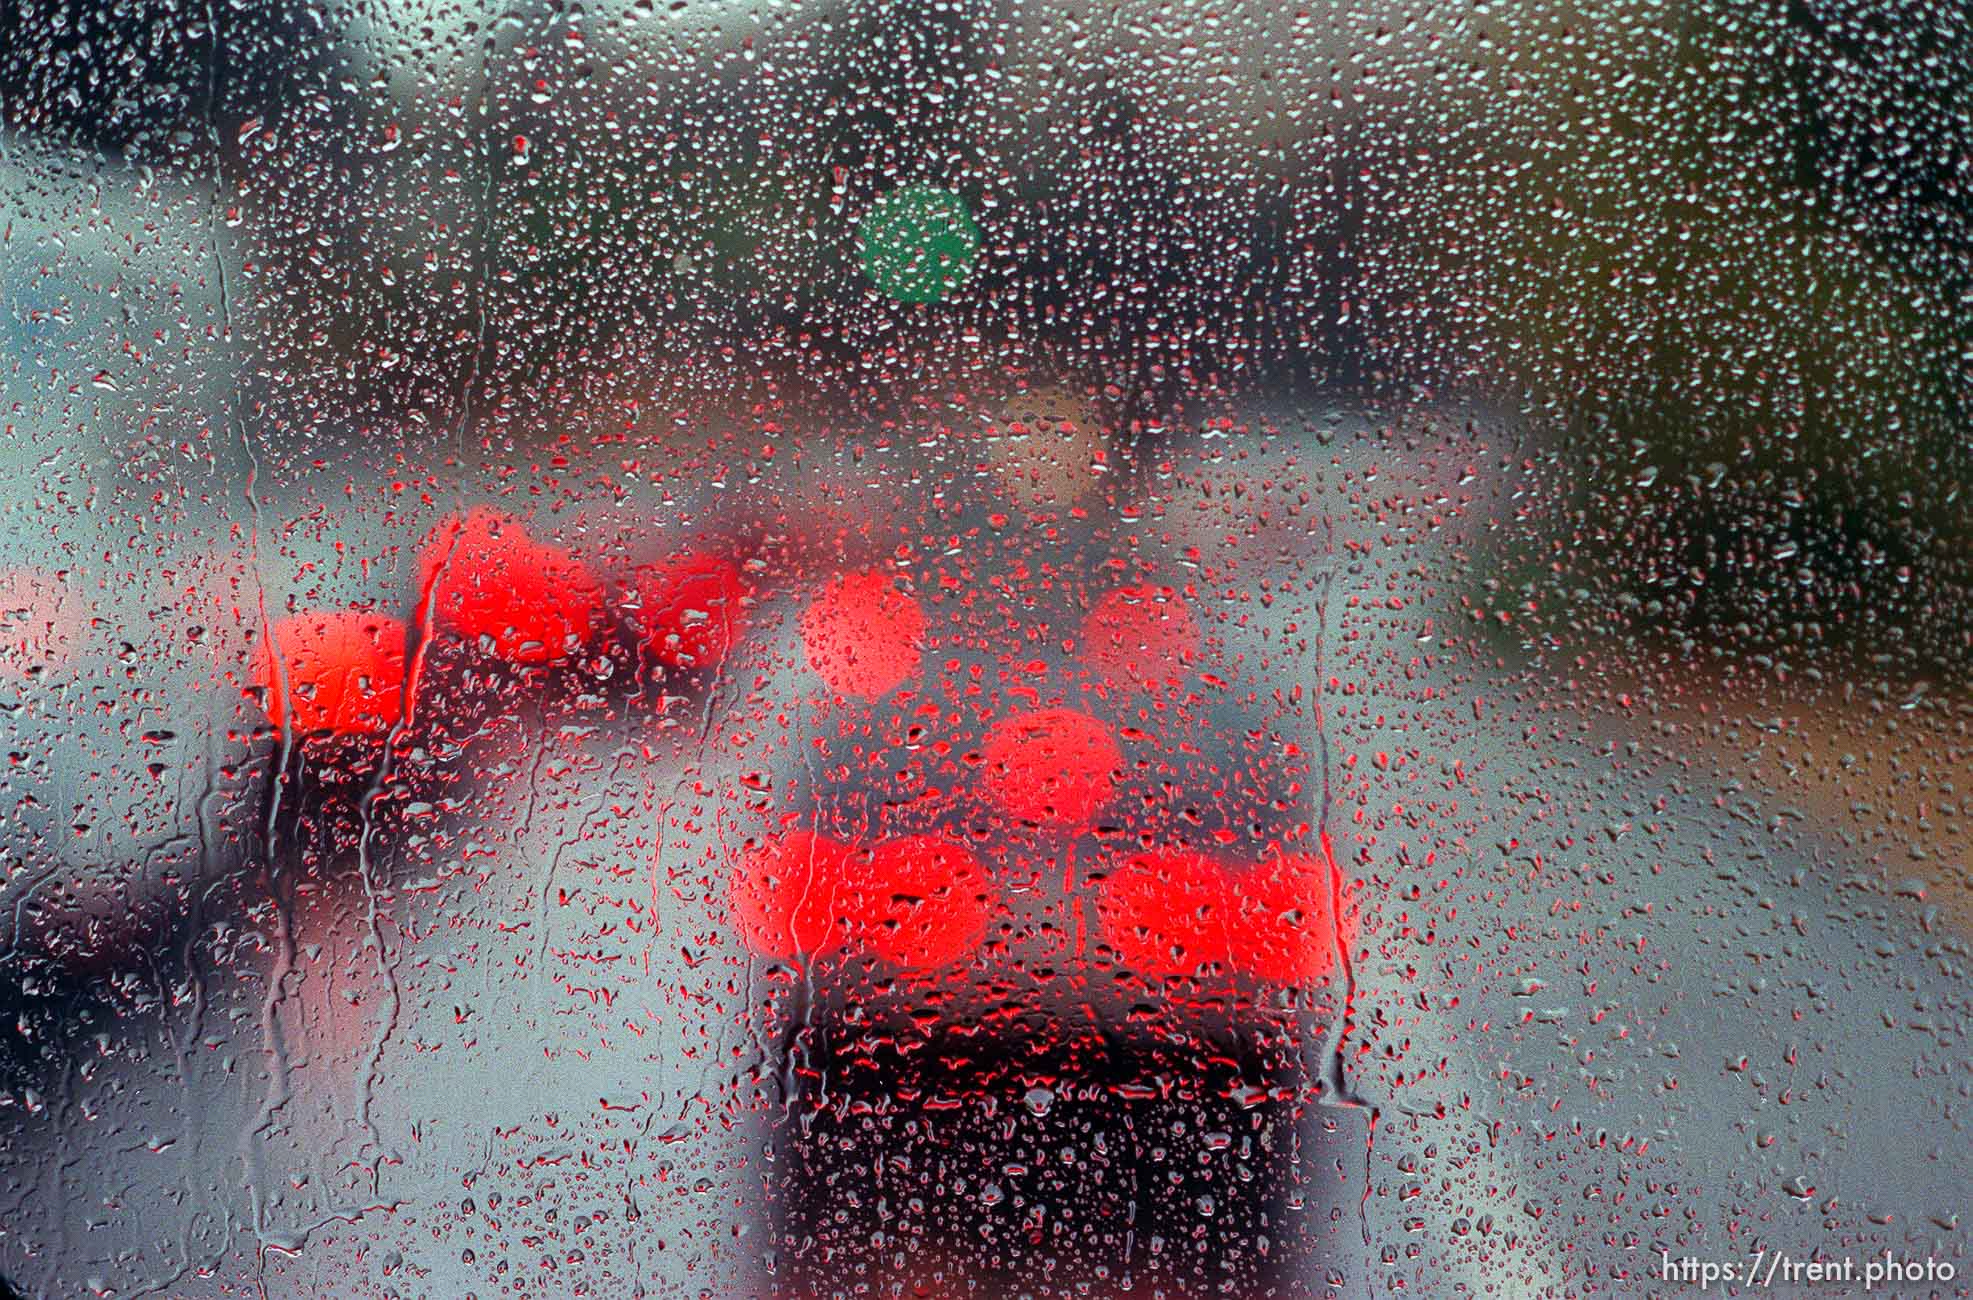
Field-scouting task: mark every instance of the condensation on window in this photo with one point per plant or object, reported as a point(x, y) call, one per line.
point(984, 649)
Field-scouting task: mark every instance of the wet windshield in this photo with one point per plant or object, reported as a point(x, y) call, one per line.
point(983, 649)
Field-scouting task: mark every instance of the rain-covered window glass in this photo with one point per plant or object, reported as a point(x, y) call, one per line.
point(985, 648)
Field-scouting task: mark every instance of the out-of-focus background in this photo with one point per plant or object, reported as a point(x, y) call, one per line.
point(981, 648)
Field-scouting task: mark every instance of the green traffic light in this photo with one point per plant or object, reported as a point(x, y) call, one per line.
point(918, 243)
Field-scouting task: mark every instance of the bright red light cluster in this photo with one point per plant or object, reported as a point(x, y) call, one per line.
point(922, 902)
point(690, 611)
point(485, 577)
point(1056, 767)
point(532, 603)
point(919, 902)
point(344, 672)
point(862, 635)
point(1180, 911)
